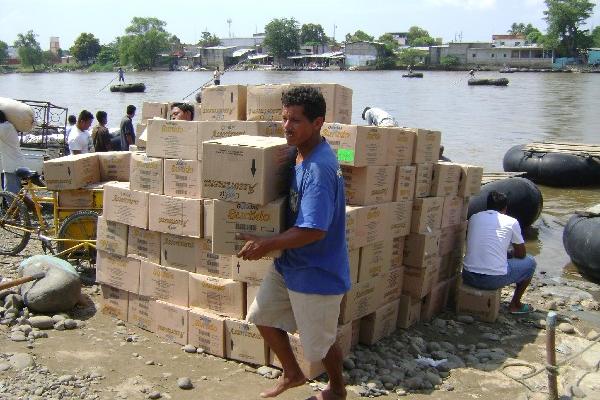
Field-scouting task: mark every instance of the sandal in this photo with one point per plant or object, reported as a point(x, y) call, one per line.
point(525, 309)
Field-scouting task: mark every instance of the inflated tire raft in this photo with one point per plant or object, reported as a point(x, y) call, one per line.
point(556, 164)
point(581, 238)
point(525, 200)
point(413, 75)
point(488, 82)
point(128, 88)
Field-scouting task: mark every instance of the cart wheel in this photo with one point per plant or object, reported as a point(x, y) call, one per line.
point(13, 216)
point(78, 226)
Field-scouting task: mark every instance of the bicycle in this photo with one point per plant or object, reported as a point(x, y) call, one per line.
point(73, 229)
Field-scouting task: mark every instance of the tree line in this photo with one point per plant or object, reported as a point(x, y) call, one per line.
point(145, 39)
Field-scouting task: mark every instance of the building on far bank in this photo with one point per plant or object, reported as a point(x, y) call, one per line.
point(361, 54)
point(54, 45)
point(217, 56)
point(400, 37)
point(594, 56)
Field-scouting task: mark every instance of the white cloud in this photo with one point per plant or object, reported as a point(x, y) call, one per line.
point(467, 4)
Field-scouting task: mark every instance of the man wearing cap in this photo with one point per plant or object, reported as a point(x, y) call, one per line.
point(378, 117)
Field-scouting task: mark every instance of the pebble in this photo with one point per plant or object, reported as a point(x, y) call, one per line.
point(150, 362)
point(592, 335)
point(349, 364)
point(490, 336)
point(154, 395)
point(58, 317)
point(188, 348)
point(577, 392)
point(18, 336)
point(70, 324)
point(41, 322)
point(200, 350)
point(565, 327)
point(21, 361)
point(4, 366)
point(268, 372)
point(60, 325)
point(185, 383)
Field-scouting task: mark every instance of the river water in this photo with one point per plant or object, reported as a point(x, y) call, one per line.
point(478, 124)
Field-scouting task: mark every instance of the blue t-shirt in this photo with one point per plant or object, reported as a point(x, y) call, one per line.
point(317, 201)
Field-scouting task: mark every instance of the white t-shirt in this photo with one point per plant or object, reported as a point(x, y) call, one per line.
point(488, 237)
point(379, 117)
point(11, 157)
point(78, 140)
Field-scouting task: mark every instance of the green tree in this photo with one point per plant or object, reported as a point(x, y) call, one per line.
point(412, 56)
point(596, 36)
point(282, 37)
point(531, 33)
point(565, 18)
point(389, 42)
point(209, 40)
point(28, 49)
point(418, 36)
point(143, 43)
point(108, 54)
point(312, 34)
point(3, 52)
point(449, 61)
point(49, 58)
point(85, 48)
point(359, 36)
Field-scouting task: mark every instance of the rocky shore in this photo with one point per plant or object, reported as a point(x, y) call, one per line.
point(85, 355)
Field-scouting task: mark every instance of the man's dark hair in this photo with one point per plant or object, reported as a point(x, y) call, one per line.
point(365, 111)
point(497, 201)
point(185, 107)
point(2, 117)
point(85, 115)
point(72, 119)
point(307, 96)
point(101, 116)
point(131, 109)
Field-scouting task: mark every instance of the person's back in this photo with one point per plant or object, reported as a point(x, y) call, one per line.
point(126, 129)
point(100, 134)
point(378, 117)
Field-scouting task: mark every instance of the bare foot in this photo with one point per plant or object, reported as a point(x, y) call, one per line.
point(284, 383)
point(329, 394)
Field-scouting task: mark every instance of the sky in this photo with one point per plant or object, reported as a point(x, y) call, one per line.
point(471, 20)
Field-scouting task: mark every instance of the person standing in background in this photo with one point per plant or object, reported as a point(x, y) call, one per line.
point(72, 120)
point(127, 132)
point(79, 138)
point(11, 157)
point(217, 77)
point(100, 134)
point(121, 75)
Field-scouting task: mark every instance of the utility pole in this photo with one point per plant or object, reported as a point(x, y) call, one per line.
point(229, 23)
point(334, 28)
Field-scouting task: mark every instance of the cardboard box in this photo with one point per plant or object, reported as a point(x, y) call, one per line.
point(243, 342)
point(180, 252)
point(143, 244)
point(154, 109)
point(114, 302)
point(212, 264)
point(419, 246)
point(445, 179)
point(427, 146)
point(452, 238)
point(400, 216)
point(435, 302)
point(223, 296)
point(140, 311)
point(375, 260)
point(373, 223)
point(146, 173)
point(423, 176)
point(175, 215)
point(451, 264)
point(392, 283)
point(379, 324)
point(404, 185)
point(251, 292)
point(409, 312)
point(362, 299)
point(338, 100)
point(117, 271)
point(470, 180)
point(419, 281)
point(368, 185)
point(426, 215)
point(75, 198)
point(264, 102)
point(208, 217)
point(233, 218)
point(114, 165)
point(257, 168)
point(111, 236)
point(172, 139)
point(482, 304)
point(72, 171)
point(249, 271)
point(452, 211)
point(164, 283)
point(183, 178)
point(354, 260)
point(355, 145)
point(353, 240)
point(207, 331)
point(401, 145)
point(121, 204)
point(223, 103)
point(355, 332)
point(397, 252)
point(170, 321)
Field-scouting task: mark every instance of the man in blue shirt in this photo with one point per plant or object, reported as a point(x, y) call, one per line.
point(304, 290)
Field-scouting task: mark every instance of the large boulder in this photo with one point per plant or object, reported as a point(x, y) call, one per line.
point(59, 290)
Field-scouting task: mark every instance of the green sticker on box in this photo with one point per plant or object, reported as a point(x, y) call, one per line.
point(345, 155)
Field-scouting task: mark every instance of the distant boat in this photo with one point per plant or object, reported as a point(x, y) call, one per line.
point(507, 70)
point(488, 82)
point(128, 88)
point(413, 75)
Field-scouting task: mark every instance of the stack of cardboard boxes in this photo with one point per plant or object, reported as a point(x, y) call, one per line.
point(168, 239)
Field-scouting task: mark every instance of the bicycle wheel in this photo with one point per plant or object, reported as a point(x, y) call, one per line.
point(78, 226)
point(14, 218)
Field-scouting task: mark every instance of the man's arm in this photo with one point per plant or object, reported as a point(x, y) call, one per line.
point(519, 250)
point(257, 247)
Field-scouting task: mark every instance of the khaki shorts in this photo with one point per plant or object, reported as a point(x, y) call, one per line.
point(314, 316)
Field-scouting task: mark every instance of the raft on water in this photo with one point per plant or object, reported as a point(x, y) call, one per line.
point(413, 75)
point(128, 88)
point(488, 82)
point(581, 238)
point(525, 200)
point(556, 164)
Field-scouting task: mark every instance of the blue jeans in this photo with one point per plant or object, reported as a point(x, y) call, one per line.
point(11, 182)
point(519, 270)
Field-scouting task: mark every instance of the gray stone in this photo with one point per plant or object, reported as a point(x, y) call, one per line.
point(25, 328)
point(188, 348)
point(414, 383)
point(65, 378)
point(58, 317)
point(432, 378)
point(154, 395)
point(13, 301)
point(565, 327)
point(60, 325)
point(490, 336)
point(70, 323)
point(4, 366)
point(577, 392)
point(592, 335)
point(349, 364)
point(268, 372)
point(21, 360)
point(18, 336)
point(41, 322)
point(185, 383)
point(59, 290)
point(359, 390)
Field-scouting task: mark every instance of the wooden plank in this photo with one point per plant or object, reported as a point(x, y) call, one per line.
point(496, 176)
